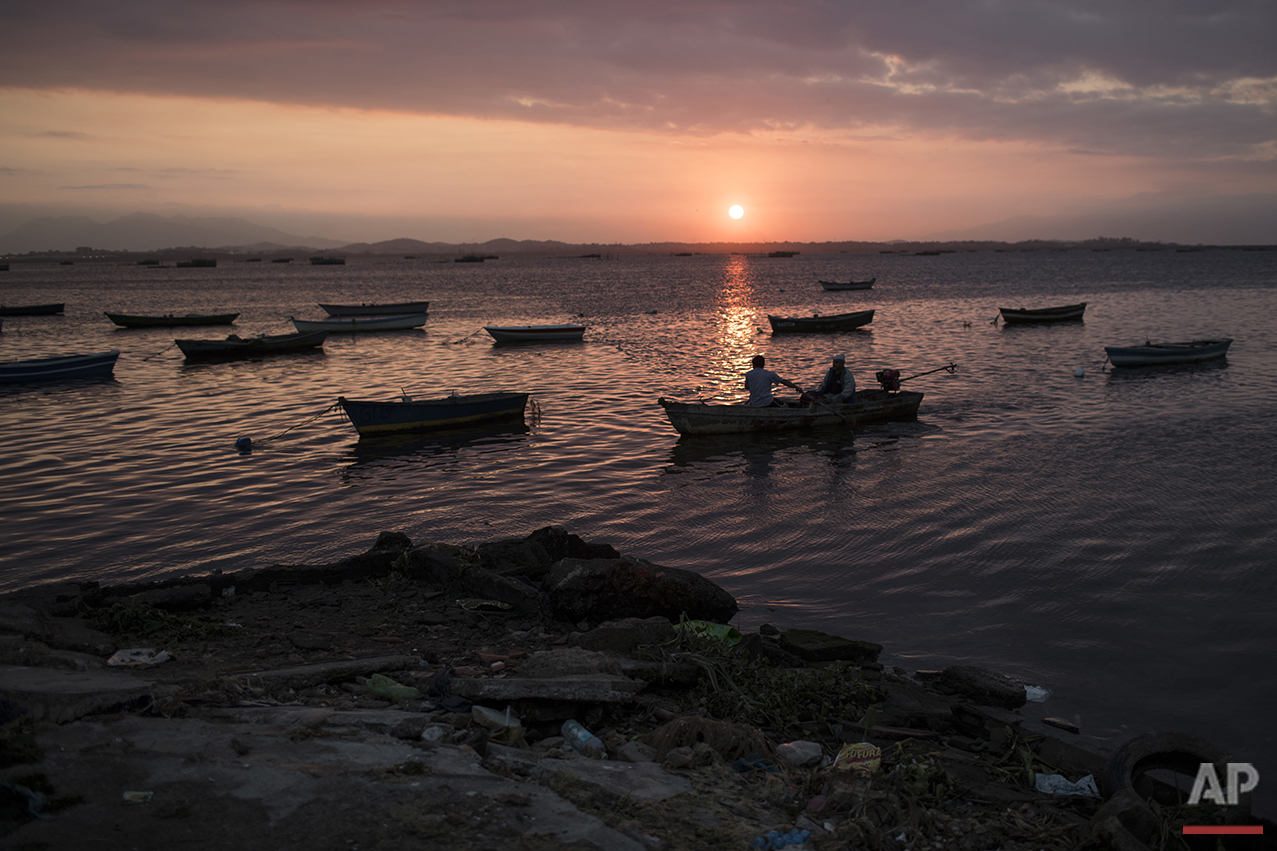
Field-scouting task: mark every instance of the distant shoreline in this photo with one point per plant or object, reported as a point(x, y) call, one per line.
point(493, 250)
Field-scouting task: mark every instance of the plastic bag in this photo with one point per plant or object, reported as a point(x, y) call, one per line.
point(1058, 784)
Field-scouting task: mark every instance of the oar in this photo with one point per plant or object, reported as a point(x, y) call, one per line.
point(819, 401)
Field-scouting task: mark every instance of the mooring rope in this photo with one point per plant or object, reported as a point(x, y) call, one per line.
point(331, 407)
point(160, 352)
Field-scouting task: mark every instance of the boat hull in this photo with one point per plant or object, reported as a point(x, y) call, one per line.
point(33, 310)
point(536, 333)
point(398, 309)
point(874, 406)
point(371, 418)
point(1195, 351)
point(191, 319)
point(235, 347)
point(808, 324)
point(98, 365)
point(849, 285)
point(358, 325)
point(1065, 313)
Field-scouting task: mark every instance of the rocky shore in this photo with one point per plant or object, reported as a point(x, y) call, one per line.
point(416, 697)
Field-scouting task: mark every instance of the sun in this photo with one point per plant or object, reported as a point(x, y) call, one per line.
point(736, 211)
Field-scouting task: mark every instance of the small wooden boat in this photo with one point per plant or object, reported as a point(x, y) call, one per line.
point(833, 322)
point(99, 365)
point(1154, 354)
point(33, 310)
point(849, 285)
point(170, 321)
point(397, 308)
point(197, 263)
point(1065, 313)
point(536, 333)
point(328, 261)
point(371, 418)
point(235, 346)
point(356, 325)
point(873, 406)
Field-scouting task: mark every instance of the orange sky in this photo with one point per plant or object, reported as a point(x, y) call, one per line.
point(838, 128)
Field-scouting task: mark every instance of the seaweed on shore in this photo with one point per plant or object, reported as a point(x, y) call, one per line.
point(786, 702)
point(135, 621)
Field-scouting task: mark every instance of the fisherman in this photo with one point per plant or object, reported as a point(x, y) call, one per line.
point(759, 381)
point(838, 385)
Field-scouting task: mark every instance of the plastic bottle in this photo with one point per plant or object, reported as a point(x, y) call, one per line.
point(582, 740)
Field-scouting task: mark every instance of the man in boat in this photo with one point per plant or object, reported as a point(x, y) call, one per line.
point(759, 381)
point(838, 386)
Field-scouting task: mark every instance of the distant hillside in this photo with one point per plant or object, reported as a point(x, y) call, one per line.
point(148, 232)
point(1210, 219)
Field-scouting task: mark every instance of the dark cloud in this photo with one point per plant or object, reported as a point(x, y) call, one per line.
point(1167, 77)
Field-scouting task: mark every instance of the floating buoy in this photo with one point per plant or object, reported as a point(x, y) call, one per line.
point(1080, 372)
point(244, 443)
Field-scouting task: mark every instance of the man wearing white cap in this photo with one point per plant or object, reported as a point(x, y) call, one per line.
point(838, 385)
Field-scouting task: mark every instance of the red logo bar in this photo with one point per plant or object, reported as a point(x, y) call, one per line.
point(1231, 829)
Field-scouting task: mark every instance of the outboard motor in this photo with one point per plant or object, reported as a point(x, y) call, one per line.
point(889, 379)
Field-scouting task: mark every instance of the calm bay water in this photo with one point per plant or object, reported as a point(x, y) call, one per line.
point(1109, 537)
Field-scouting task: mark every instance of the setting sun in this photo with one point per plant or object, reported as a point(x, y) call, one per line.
point(736, 211)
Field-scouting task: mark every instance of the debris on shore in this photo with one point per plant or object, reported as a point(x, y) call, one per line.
point(538, 693)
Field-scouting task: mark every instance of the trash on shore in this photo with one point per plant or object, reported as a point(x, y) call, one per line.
point(1058, 784)
point(506, 727)
point(859, 757)
point(776, 840)
point(137, 657)
point(1036, 694)
point(801, 752)
point(380, 685)
point(582, 740)
point(708, 629)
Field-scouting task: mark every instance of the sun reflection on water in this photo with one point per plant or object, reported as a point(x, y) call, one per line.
point(734, 328)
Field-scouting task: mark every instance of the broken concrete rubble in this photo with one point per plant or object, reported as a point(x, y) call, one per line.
point(265, 710)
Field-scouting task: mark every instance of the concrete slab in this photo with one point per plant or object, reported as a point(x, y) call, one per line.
point(254, 787)
point(48, 694)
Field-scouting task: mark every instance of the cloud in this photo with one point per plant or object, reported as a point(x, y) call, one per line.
point(1179, 79)
point(109, 186)
point(62, 134)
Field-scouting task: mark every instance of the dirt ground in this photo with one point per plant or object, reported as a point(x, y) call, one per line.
point(464, 790)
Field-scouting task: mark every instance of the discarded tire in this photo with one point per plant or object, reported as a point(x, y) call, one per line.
point(1181, 753)
point(1126, 821)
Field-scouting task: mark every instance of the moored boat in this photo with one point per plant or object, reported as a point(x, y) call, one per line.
point(402, 307)
point(198, 263)
point(32, 310)
point(1064, 313)
point(328, 261)
point(833, 322)
point(124, 320)
point(371, 418)
point(849, 285)
point(97, 365)
point(872, 406)
point(235, 346)
point(1153, 354)
point(356, 325)
point(536, 333)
